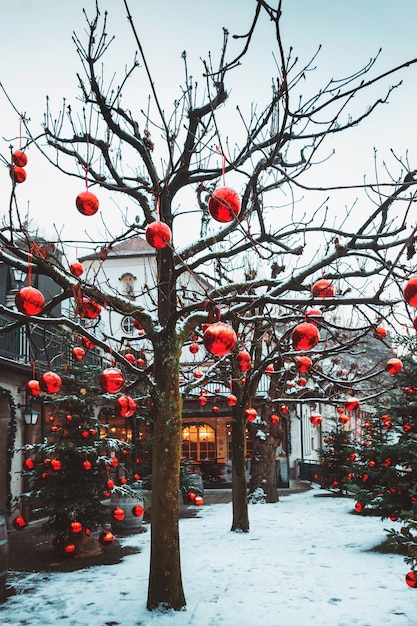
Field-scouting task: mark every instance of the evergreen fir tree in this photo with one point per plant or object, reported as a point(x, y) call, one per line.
point(337, 457)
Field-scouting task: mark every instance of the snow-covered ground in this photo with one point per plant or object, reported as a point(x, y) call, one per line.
point(306, 561)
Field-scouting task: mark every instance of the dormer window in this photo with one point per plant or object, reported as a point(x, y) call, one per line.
point(127, 281)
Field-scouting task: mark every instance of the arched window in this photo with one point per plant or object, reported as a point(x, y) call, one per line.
point(127, 324)
point(199, 442)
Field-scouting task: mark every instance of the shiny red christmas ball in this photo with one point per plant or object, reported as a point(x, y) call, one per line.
point(305, 336)
point(351, 403)
point(202, 400)
point(19, 522)
point(380, 332)
point(29, 301)
point(125, 406)
point(316, 419)
point(394, 366)
point(198, 501)
point(118, 513)
point(302, 381)
point(50, 382)
point(410, 292)
point(78, 353)
point(303, 363)
point(215, 409)
point(411, 579)
point(343, 419)
point(284, 409)
point(109, 483)
point(69, 548)
point(138, 510)
point(130, 358)
point(90, 309)
point(193, 348)
point(244, 361)
point(274, 418)
point(18, 174)
point(224, 205)
point(87, 203)
point(111, 380)
point(158, 235)
point(251, 414)
point(84, 434)
point(114, 461)
point(269, 370)
point(106, 537)
point(28, 464)
point(56, 465)
point(76, 527)
point(76, 268)
point(140, 362)
point(231, 400)
point(19, 158)
point(87, 343)
point(219, 338)
point(87, 465)
point(359, 507)
point(323, 288)
point(198, 373)
point(33, 388)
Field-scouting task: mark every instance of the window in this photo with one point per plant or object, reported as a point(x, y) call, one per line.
point(199, 442)
point(127, 325)
point(128, 284)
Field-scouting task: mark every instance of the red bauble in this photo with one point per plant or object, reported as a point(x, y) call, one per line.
point(303, 363)
point(202, 400)
point(33, 388)
point(231, 400)
point(28, 464)
point(111, 380)
point(394, 366)
point(191, 495)
point(76, 527)
point(118, 513)
point(193, 348)
point(76, 268)
point(224, 205)
point(114, 461)
point(130, 358)
point(78, 353)
point(18, 174)
point(198, 501)
point(305, 336)
point(87, 465)
point(109, 483)
point(87, 203)
point(84, 434)
point(410, 292)
point(198, 373)
point(125, 406)
point(19, 158)
point(302, 381)
point(359, 507)
point(137, 510)
point(380, 332)
point(123, 480)
point(274, 418)
point(219, 338)
point(411, 579)
point(323, 288)
point(158, 235)
point(244, 361)
point(351, 403)
point(215, 409)
point(284, 409)
point(269, 370)
point(69, 548)
point(50, 382)
point(90, 309)
point(106, 538)
point(316, 419)
point(140, 362)
point(87, 343)
point(343, 419)
point(29, 301)
point(251, 414)
point(56, 465)
point(19, 522)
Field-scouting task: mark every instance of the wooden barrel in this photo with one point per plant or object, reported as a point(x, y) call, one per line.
point(131, 522)
point(4, 552)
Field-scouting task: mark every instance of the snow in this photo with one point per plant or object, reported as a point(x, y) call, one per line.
point(307, 560)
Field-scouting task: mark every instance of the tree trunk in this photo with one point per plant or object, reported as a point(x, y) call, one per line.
point(239, 488)
point(263, 468)
point(165, 582)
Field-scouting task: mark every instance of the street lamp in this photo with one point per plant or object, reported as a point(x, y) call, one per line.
point(30, 415)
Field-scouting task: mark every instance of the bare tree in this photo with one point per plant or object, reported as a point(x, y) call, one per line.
point(152, 159)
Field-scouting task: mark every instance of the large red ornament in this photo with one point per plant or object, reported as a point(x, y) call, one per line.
point(125, 406)
point(323, 288)
point(316, 419)
point(202, 400)
point(76, 268)
point(244, 361)
point(106, 538)
point(111, 380)
point(359, 507)
point(410, 292)
point(87, 465)
point(305, 336)
point(19, 158)
point(50, 382)
point(118, 513)
point(78, 353)
point(18, 174)
point(343, 419)
point(19, 522)
point(224, 205)
point(198, 500)
point(33, 388)
point(394, 366)
point(231, 400)
point(158, 235)
point(193, 348)
point(29, 301)
point(251, 414)
point(351, 403)
point(130, 358)
point(303, 363)
point(137, 510)
point(28, 464)
point(219, 338)
point(411, 579)
point(87, 203)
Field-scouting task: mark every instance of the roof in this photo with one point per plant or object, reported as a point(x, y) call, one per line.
point(135, 246)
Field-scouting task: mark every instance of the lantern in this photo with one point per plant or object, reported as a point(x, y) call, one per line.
point(411, 579)
point(29, 301)
point(219, 338)
point(18, 174)
point(394, 366)
point(118, 514)
point(50, 382)
point(125, 406)
point(231, 400)
point(224, 205)
point(305, 336)
point(158, 235)
point(33, 388)
point(19, 522)
point(138, 510)
point(19, 158)
point(244, 361)
point(303, 363)
point(251, 414)
point(111, 380)
point(78, 353)
point(351, 403)
point(323, 288)
point(316, 419)
point(76, 268)
point(87, 203)
point(130, 358)
point(106, 537)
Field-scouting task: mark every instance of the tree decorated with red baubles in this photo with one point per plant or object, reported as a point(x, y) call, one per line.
point(209, 200)
point(337, 457)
